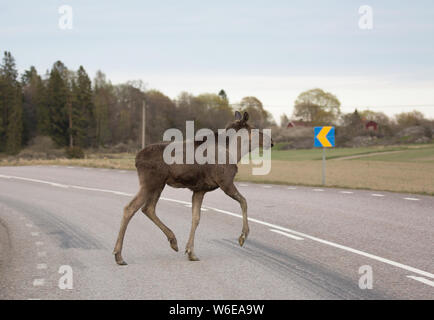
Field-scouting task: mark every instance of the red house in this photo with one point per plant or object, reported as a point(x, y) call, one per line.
point(371, 125)
point(301, 123)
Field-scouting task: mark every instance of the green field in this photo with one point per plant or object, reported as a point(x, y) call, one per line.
point(396, 168)
point(408, 152)
point(425, 154)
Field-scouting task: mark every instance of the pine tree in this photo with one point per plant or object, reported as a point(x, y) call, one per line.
point(42, 110)
point(3, 120)
point(31, 84)
point(102, 98)
point(82, 109)
point(223, 96)
point(15, 125)
point(10, 106)
point(57, 99)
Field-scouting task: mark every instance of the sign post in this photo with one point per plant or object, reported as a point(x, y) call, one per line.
point(143, 123)
point(324, 137)
point(323, 166)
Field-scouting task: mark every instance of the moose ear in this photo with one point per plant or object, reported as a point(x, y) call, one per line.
point(238, 115)
point(245, 117)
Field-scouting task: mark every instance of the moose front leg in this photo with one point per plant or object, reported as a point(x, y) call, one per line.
point(232, 192)
point(195, 208)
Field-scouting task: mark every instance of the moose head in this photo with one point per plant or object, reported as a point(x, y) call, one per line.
point(241, 122)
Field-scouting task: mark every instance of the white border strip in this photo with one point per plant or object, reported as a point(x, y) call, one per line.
point(423, 280)
point(286, 234)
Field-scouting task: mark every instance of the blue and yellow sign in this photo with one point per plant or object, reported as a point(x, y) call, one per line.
point(324, 137)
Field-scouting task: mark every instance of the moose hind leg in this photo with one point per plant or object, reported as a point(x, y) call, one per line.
point(149, 211)
point(129, 212)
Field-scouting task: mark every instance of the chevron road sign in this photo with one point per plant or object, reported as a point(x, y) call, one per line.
point(324, 137)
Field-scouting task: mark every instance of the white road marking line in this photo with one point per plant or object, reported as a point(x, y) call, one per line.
point(41, 266)
point(101, 190)
point(174, 200)
point(319, 190)
point(267, 187)
point(286, 234)
point(29, 225)
point(42, 254)
point(188, 205)
point(33, 299)
point(59, 185)
point(39, 243)
point(70, 167)
point(412, 199)
point(423, 280)
point(346, 192)
point(291, 188)
point(34, 234)
point(377, 195)
point(54, 184)
point(38, 282)
point(243, 185)
point(122, 171)
point(274, 226)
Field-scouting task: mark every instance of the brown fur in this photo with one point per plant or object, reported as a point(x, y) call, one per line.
point(154, 174)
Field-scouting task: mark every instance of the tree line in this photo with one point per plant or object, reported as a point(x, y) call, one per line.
point(76, 112)
point(318, 107)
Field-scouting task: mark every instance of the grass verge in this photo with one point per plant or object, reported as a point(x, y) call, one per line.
point(372, 175)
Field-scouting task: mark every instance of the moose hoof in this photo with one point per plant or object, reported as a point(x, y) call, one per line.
point(241, 239)
point(119, 260)
point(191, 255)
point(174, 244)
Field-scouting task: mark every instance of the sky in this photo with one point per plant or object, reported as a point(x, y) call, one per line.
point(273, 50)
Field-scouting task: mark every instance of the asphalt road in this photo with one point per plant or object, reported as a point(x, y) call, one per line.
point(304, 243)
